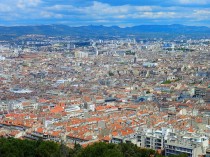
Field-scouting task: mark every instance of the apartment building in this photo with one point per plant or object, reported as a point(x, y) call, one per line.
point(171, 141)
point(192, 146)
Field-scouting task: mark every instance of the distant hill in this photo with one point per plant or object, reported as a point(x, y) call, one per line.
point(103, 31)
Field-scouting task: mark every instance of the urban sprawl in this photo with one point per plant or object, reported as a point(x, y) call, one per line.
point(153, 93)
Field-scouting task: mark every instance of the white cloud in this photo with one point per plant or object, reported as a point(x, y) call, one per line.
point(98, 12)
point(27, 3)
point(105, 11)
point(194, 1)
point(5, 8)
point(202, 14)
point(103, 8)
point(46, 14)
point(153, 15)
point(60, 7)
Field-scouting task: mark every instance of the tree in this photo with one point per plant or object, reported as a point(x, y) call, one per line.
point(48, 149)
point(111, 73)
point(11, 147)
point(101, 150)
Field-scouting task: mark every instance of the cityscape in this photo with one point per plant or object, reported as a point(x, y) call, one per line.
point(147, 85)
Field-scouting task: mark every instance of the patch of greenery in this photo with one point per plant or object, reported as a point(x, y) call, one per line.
point(10, 147)
point(111, 73)
point(148, 92)
point(166, 82)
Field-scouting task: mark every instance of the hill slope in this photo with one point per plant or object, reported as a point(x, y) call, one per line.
point(103, 31)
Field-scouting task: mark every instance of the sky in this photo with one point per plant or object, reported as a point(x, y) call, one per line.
point(121, 13)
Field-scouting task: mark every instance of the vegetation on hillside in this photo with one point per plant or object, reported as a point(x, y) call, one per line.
point(10, 147)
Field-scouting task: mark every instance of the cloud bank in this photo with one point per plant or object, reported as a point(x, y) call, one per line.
point(125, 13)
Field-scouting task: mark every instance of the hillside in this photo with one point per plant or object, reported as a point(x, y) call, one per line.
point(103, 31)
point(24, 148)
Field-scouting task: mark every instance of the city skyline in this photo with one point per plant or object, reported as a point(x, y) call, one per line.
point(105, 12)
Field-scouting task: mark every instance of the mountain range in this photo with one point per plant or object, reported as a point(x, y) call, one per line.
point(104, 31)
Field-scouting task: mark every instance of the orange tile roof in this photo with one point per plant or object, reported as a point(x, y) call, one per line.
point(106, 138)
point(191, 129)
point(57, 109)
point(115, 133)
point(40, 130)
point(55, 133)
point(126, 132)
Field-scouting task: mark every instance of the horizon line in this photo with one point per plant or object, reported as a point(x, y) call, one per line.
point(33, 25)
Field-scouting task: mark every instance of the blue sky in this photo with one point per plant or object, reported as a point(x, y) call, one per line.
point(104, 12)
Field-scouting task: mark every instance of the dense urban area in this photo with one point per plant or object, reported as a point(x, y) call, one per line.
point(152, 93)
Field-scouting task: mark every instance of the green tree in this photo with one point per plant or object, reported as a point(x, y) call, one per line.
point(100, 150)
point(48, 149)
point(111, 73)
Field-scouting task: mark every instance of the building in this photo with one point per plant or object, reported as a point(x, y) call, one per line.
point(191, 145)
